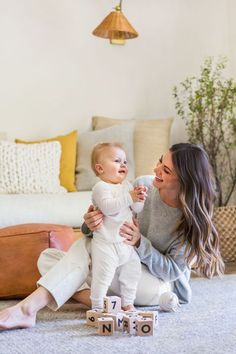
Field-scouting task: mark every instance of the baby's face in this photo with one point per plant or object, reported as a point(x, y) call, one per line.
point(112, 165)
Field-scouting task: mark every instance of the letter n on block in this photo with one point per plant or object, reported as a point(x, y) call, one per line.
point(105, 326)
point(112, 304)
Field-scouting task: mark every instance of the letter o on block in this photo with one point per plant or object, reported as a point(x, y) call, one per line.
point(144, 327)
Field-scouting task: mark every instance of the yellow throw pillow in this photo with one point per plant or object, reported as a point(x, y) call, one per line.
point(151, 140)
point(68, 157)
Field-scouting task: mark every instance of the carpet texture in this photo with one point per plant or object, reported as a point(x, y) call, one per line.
point(207, 325)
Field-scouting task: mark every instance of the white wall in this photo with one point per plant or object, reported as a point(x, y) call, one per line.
point(54, 75)
point(232, 35)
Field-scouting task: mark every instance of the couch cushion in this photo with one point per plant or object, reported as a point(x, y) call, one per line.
point(68, 158)
point(85, 177)
point(67, 209)
point(151, 140)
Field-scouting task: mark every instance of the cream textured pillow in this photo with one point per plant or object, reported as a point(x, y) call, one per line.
point(85, 177)
point(30, 168)
point(151, 140)
point(68, 157)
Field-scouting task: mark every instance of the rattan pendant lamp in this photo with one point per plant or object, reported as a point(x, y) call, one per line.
point(116, 27)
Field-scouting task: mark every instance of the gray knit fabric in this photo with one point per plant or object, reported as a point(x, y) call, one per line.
point(159, 247)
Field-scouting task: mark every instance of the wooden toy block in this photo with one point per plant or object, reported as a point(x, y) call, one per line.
point(150, 314)
point(144, 327)
point(92, 316)
point(129, 324)
point(111, 304)
point(119, 321)
point(112, 315)
point(105, 326)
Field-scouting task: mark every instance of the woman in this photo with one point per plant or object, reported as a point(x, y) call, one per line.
point(175, 233)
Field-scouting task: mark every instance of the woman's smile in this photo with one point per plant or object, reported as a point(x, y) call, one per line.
point(158, 179)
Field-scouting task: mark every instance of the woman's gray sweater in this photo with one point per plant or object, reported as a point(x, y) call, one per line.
point(160, 248)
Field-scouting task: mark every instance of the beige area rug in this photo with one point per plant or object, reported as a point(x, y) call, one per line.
point(207, 325)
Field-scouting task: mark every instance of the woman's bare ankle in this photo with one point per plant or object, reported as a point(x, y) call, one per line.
point(83, 297)
point(27, 309)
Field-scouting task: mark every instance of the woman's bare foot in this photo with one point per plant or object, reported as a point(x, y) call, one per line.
point(129, 308)
point(17, 316)
point(23, 314)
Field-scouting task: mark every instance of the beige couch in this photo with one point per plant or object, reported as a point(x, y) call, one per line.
point(144, 142)
point(31, 222)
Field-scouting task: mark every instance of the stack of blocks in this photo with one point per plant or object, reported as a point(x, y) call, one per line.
point(112, 318)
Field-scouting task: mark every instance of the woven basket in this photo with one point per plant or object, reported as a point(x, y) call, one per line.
point(225, 221)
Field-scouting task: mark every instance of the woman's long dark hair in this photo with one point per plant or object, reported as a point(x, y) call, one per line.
point(196, 196)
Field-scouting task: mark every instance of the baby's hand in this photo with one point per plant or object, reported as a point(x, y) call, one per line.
point(139, 194)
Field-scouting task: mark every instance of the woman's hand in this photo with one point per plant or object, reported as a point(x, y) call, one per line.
point(131, 233)
point(93, 218)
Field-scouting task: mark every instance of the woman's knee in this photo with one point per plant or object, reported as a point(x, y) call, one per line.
point(48, 258)
point(150, 288)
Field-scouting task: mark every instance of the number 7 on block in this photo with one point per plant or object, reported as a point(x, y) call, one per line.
point(112, 304)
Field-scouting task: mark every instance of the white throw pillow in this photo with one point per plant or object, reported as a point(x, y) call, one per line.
point(85, 177)
point(30, 168)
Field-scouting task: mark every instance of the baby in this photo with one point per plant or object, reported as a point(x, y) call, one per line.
point(117, 199)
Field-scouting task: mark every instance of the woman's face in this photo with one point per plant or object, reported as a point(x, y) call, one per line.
point(166, 177)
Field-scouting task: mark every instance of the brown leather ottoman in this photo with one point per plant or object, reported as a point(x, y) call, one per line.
point(20, 247)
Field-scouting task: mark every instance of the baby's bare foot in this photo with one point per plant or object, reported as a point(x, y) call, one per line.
point(16, 317)
point(129, 308)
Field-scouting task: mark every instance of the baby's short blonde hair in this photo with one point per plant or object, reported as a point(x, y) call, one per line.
point(97, 151)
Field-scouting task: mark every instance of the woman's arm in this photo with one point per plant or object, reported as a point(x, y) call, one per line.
point(168, 267)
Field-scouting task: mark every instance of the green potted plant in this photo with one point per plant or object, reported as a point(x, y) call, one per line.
point(207, 104)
